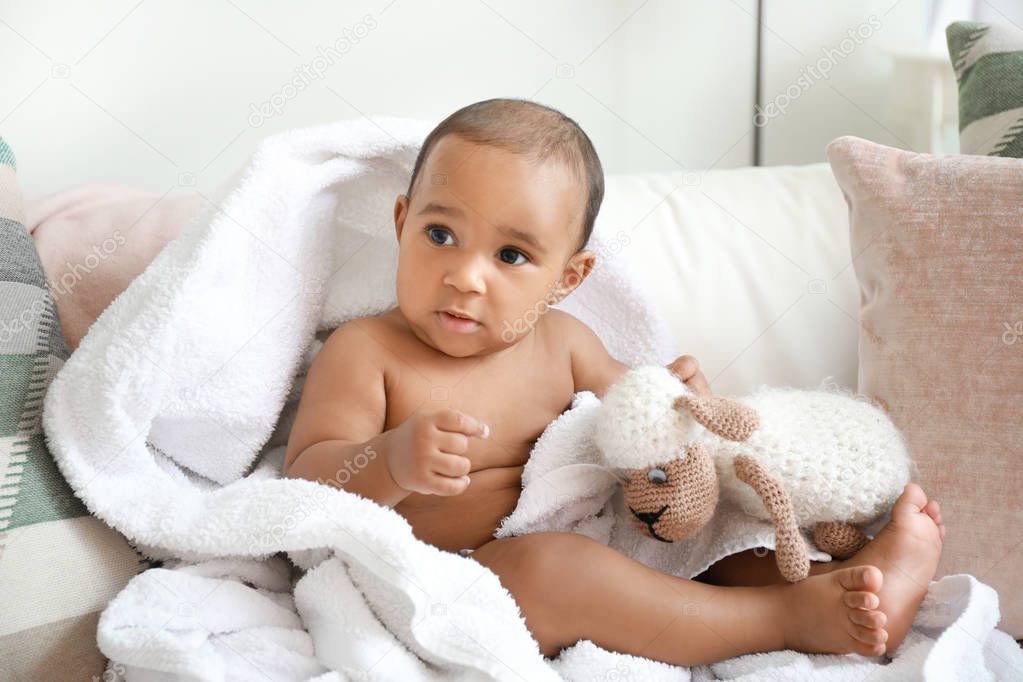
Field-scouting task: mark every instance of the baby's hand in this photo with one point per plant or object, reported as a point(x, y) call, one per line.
point(687, 368)
point(426, 452)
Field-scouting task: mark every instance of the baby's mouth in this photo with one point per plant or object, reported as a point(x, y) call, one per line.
point(459, 314)
point(456, 322)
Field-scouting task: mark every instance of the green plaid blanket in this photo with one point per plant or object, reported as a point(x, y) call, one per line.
point(59, 566)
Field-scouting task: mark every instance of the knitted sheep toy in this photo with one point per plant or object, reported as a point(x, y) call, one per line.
point(819, 460)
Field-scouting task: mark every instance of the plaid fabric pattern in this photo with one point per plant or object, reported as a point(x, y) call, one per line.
point(58, 565)
point(988, 61)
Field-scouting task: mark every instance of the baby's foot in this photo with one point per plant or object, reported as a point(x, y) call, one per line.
point(906, 550)
point(836, 613)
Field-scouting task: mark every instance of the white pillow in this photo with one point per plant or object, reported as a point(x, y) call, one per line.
point(751, 266)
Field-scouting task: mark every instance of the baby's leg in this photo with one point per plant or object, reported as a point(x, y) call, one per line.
point(570, 587)
point(906, 550)
point(754, 568)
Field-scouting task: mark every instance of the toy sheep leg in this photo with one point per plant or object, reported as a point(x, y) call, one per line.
point(839, 539)
point(790, 548)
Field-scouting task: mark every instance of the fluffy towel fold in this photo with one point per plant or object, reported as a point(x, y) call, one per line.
point(170, 420)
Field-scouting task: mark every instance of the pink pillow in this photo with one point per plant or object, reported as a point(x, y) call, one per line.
point(937, 246)
point(94, 239)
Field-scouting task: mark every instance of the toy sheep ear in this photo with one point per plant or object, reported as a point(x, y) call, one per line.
point(726, 417)
point(620, 474)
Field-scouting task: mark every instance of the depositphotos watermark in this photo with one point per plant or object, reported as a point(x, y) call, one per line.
point(279, 530)
point(313, 70)
point(512, 330)
point(74, 273)
point(61, 286)
point(1012, 332)
point(352, 466)
point(811, 73)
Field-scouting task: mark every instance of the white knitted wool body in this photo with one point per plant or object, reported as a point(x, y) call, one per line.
point(839, 457)
point(639, 428)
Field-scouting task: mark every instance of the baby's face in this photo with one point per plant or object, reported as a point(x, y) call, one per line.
point(489, 235)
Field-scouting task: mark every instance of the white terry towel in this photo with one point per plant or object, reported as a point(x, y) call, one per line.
point(173, 396)
point(175, 392)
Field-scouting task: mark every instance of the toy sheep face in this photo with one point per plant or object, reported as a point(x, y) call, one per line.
point(649, 413)
point(673, 500)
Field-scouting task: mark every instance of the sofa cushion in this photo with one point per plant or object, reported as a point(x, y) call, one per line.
point(750, 266)
point(988, 62)
point(95, 238)
point(939, 258)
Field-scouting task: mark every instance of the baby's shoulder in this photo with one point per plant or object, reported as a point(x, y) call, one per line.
point(593, 368)
point(563, 328)
point(555, 320)
point(357, 341)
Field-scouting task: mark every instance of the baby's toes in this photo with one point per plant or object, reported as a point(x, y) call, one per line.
point(859, 578)
point(933, 510)
point(864, 649)
point(871, 637)
point(913, 500)
point(873, 620)
point(861, 600)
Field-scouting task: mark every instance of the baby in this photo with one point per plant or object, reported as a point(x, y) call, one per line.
point(450, 390)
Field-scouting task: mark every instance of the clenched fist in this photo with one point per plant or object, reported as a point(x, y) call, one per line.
point(426, 452)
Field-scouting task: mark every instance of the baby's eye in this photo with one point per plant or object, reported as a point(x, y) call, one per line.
point(514, 253)
point(432, 231)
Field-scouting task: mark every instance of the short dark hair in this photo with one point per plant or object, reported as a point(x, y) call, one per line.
point(533, 130)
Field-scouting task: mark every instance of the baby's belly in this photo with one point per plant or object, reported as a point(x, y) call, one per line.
point(455, 522)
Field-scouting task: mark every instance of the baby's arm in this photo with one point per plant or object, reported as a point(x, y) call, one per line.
point(341, 415)
point(593, 369)
point(339, 438)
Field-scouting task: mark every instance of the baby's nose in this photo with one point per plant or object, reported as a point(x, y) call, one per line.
point(467, 277)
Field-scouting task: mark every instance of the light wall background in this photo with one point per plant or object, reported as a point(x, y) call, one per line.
point(164, 94)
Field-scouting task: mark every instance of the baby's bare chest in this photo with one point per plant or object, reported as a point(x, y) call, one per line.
point(517, 397)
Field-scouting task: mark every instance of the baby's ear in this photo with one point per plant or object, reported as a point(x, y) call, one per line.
point(576, 269)
point(401, 204)
point(726, 417)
